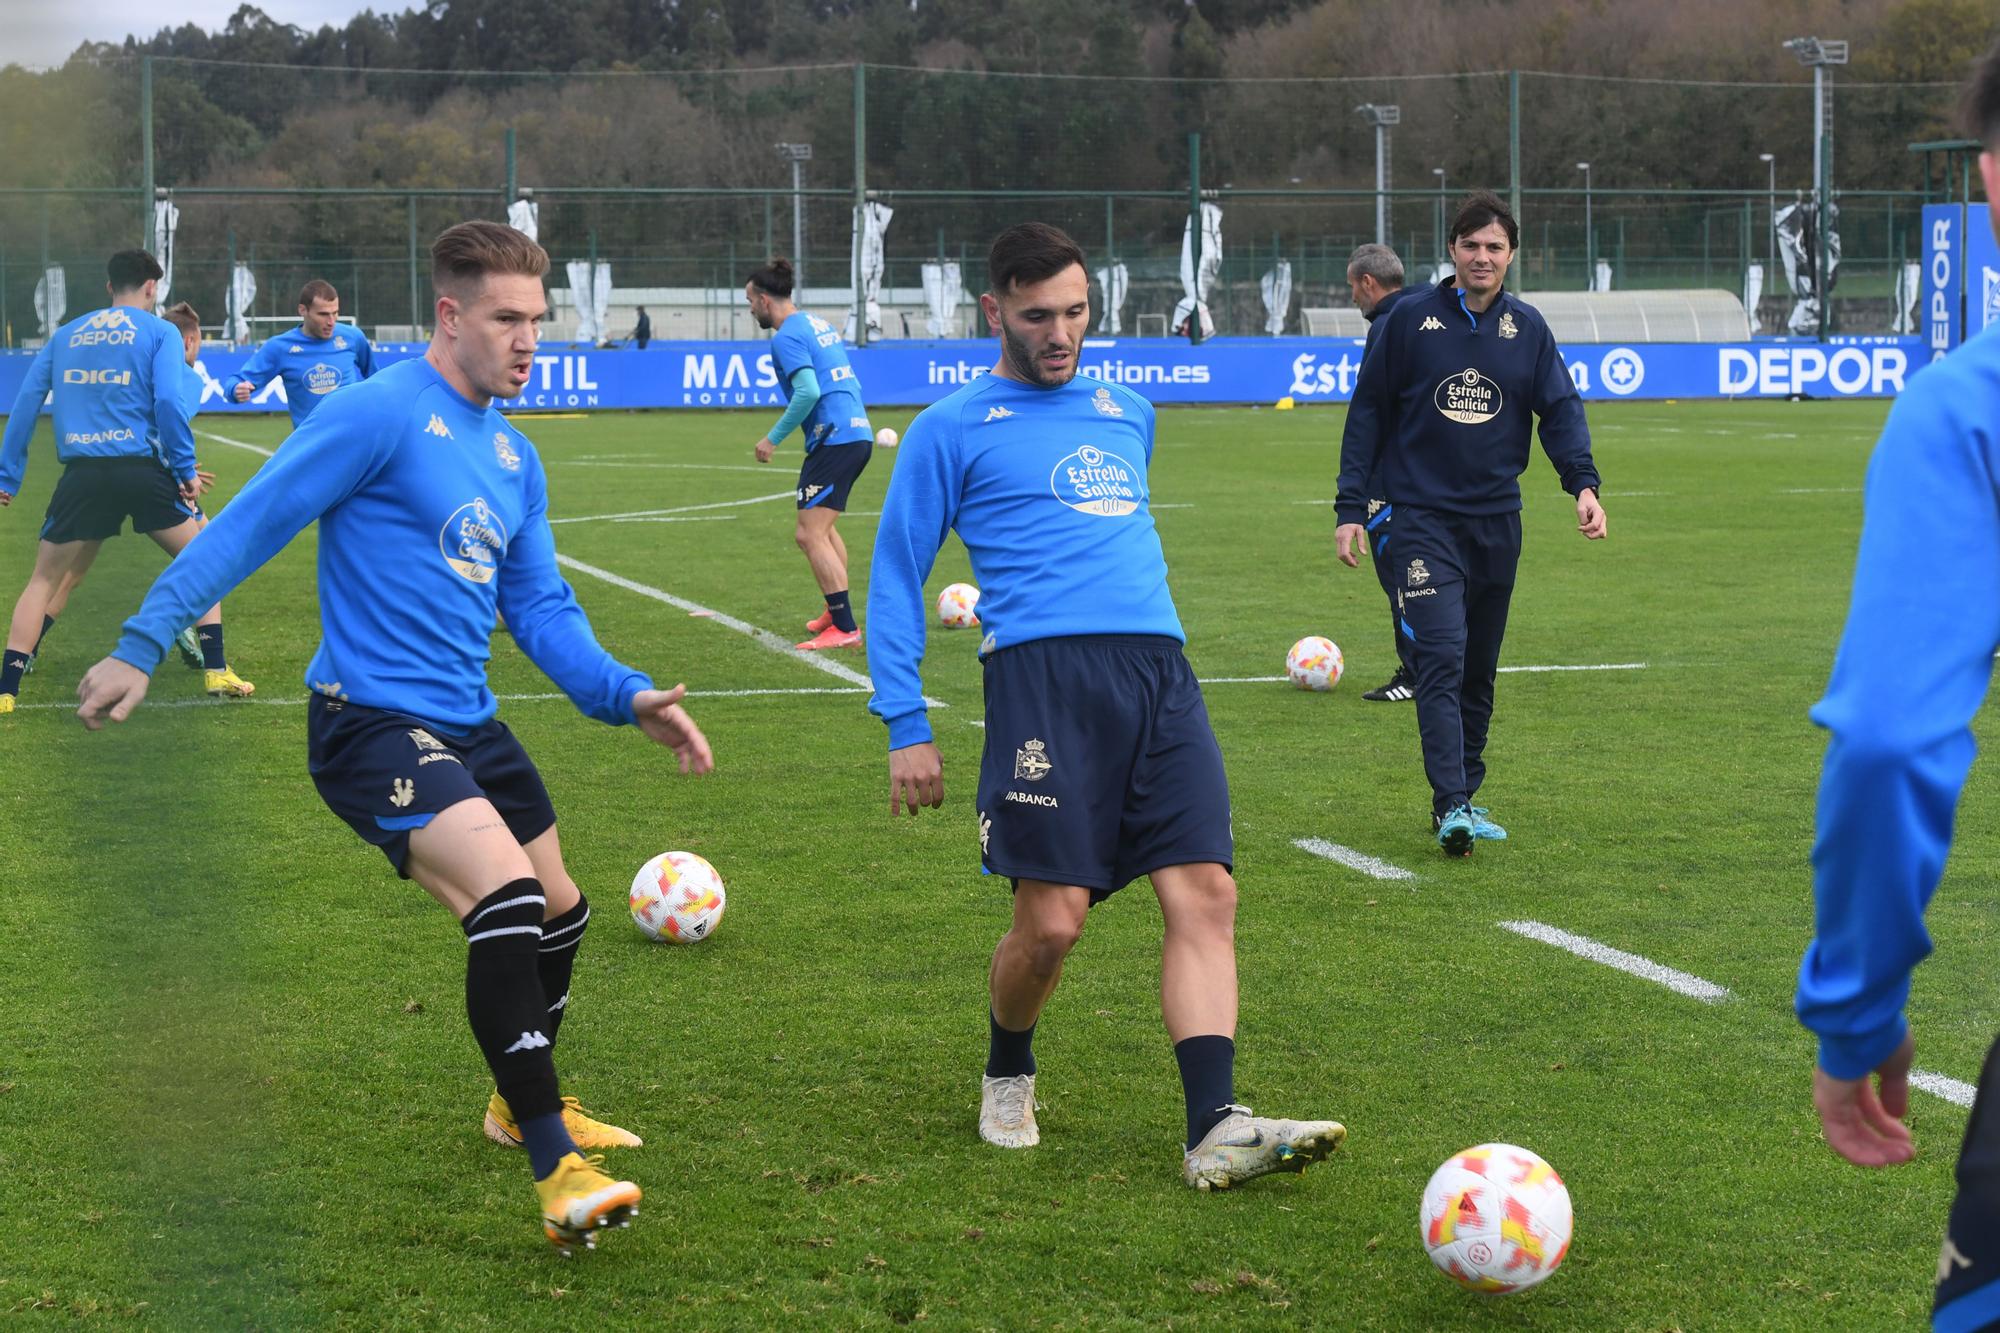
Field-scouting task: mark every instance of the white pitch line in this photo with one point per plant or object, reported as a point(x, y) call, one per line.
point(1353, 860)
point(297, 701)
point(1819, 490)
point(1684, 983)
point(605, 461)
point(679, 509)
point(240, 444)
point(680, 518)
point(1937, 1085)
point(1598, 666)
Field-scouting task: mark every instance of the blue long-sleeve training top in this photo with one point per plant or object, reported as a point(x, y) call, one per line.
point(807, 342)
point(1913, 667)
point(311, 368)
point(1047, 489)
point(432, 513)
point(1444, 407)
point(118, 376)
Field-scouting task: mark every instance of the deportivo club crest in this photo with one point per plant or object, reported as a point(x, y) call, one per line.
point(504, 451)
point(1507, 329)
point(1419, 576)
point(1103, 403)
point(1031, 761)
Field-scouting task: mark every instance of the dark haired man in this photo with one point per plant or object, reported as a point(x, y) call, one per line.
point(1100, 764)
point(823, 397)
point(433, 514)
point(119, 378)
point(1375, 281)
point(313, 360)
point(1441, 415)
point(1910, 675)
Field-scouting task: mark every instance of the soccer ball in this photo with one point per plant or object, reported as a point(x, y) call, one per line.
point(886, 438)
point(1496, 1218)
point(955, 606)
point(678, 897)
point(1315, 663)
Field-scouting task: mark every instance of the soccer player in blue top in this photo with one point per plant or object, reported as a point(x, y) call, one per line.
point(119, 378)
point(433, 514)
point(822, 397)
point(1100, 765)
point(1442, 418)
point(1914, 665)
point(313, 360)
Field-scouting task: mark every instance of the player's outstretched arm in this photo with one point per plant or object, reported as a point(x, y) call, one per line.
point(659, 714)
point(21, 424)
point(256, 373)
point(170, 411)
point(111, 689)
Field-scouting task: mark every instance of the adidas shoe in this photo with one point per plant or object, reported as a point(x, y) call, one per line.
point(820, 623)
point(1007, 1111)
point(1456, 830)
point(1399, 689)
point(578, 1201)
point(188, 644)
point(1243, 1146)
point(502, 1129)
point(226, 684)
point(831, 637)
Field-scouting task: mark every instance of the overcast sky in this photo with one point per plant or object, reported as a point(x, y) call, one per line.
point(44, 32)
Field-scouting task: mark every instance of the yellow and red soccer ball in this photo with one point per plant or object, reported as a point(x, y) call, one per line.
point(1315, 663)
point(1496, 1218)
point(955, 606)
point(677, 897)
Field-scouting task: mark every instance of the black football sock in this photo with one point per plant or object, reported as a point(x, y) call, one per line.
point(557, 958)
point(1208, 1080)
point(509, 1016)
point(11, 667)
point(211, 647)
point(841, 610)
point(1008, 1053)
point(48, 623)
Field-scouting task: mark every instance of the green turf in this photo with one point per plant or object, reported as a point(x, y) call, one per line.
point(237, 1089)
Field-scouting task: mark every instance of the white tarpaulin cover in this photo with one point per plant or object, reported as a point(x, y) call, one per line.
point(1198, 287)
point(592, 294)
point(51, 299)
point(1277, 288)
point(942, 285)
point(525, 216)
point(871, 225)
point(166, 221)
point(236, 303)
point(1114, 279)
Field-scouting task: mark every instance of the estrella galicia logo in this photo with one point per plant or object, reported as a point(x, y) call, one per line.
point(1621, 371)
point(1093, 481)
point(473, 541)
point(322, 378)
point(1468, 397)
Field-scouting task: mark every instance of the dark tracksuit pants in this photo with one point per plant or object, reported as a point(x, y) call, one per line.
point(1454, 577)
point(1968, 1290)
point(1390, 576)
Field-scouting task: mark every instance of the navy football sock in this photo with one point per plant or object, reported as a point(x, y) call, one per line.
point(1208, 1079)
point(1008, 1053)
point(11, 667)
point(841, 610)
point(510, 1018)
point(547, 1139)
point(48, 623)
point(557, 958)
point(211, 647)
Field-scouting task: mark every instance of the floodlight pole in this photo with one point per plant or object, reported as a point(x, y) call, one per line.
point(1770, 161)
point(798, 154)
point(1821, 55)
point(1438, 238)
point(1381, 117)
point(145, 155)
point(1589, 234)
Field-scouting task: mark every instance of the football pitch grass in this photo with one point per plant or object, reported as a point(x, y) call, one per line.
point(237, 1088)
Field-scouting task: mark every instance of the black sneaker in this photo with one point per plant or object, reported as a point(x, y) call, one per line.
point(1399, 689)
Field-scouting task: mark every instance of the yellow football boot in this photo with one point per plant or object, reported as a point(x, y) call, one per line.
point(226, 684)
point(588, 1133)
point(578, 1200)
point(6, 703)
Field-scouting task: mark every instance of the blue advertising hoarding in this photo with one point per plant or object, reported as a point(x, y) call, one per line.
point(1166, 370)
point(1944, 278)
point(1982, 271)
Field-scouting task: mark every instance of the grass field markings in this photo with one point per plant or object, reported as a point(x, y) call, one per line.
point(1937, 1085)
point(1674, 980)
point(238, 444)
point(607, 461)
point(1819, 490)
point(681, 518)
point(1353, 860)
point(680, 509)
point(1182, 506)
point(1596, 666)
point(762, 637)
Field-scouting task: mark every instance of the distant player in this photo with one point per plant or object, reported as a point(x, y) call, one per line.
point(1442, 418)
point(1914, 667)
point(1375, 281)
point(119, 377)
point(313, 360)
point(433, 512)
point(824, 398)
point(1100, 765)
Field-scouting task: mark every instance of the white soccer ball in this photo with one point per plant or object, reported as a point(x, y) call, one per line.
point(1496, 1218)
point(677, 897)
point(955, 606)
point(886, 438)
point(1315, 663)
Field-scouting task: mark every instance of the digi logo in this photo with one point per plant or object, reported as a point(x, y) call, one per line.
point(77, 375)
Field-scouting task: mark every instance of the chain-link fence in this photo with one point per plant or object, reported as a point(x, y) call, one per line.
point(683, 181)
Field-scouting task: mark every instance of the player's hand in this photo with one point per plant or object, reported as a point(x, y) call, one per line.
point(111, 688)
point(1350, 543)
point(1861, 1125)
point(1589, 514)
point(916, 778)
point(203, 481)
point(660, 715)
point(242, 394)
point(765, 449)
point(6, 498)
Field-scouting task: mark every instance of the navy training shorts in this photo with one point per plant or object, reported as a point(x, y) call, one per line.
point(829, 473)
point(95, 496)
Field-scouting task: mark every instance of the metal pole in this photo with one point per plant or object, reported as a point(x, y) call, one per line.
point(1194, 233)
point(1589, 240)
point(1110, 245)
point(513, 176)
point(1819, 255)
point(1381, 184)
point(861, 200)
point(1771, 239)
point(416, 299)
point(767, 226)
point(798, 236)
point(1514, 142)
point(146, 152)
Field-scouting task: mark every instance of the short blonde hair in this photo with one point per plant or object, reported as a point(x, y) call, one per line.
point(182, 316)
point(463, 255)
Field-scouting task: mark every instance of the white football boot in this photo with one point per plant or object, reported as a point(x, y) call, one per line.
point(1007, 1111)
point(1243, 1146)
